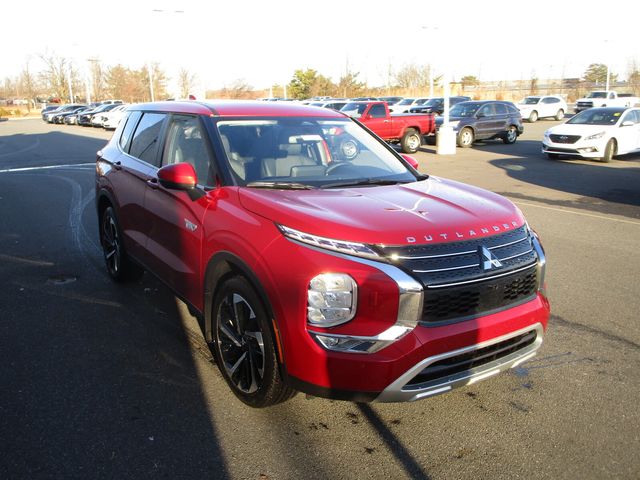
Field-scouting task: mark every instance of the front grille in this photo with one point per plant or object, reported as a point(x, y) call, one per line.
point(480, 297)
point(564, 138)
point(584, 104)
point(451, 367)
point(460, 283)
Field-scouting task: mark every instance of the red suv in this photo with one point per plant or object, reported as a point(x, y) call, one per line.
point(316, 257)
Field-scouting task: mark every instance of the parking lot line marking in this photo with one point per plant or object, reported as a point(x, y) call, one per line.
point(602, 217)
point(45, 167)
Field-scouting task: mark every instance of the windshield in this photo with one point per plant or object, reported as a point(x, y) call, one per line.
point(406, 101)
point(597, 95)
point(354, 109)
point(303, 152)
point(464, 109)
point(529, 101)
point(434, 102)
point(597, 116)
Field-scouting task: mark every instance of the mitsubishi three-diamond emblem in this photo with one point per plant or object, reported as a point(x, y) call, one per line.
point(487, 259)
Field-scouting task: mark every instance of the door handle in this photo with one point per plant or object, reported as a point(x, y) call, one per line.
point(387, 121)
point(153, 183)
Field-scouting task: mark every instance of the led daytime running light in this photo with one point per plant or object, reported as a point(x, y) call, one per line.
point(350, 248)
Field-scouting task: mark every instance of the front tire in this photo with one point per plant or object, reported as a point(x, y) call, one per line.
point(410, 141)
point(533, 117)
point(511, 136)
point(243, 345)
point(609, 151)
point(119, 266)
point(466, 138)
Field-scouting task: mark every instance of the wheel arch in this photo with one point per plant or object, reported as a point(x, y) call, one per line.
point(221, 265)
point(104, 199)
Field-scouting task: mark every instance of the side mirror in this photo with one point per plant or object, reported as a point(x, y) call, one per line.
point(627, 123)
point(179, 176)
point(411, 160)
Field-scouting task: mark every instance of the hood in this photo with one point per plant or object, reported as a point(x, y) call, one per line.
point(433, 210)
point(578, 129)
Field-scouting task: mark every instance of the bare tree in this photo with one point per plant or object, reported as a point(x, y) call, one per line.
point(186, 80)
point(56, 75)
point(97, 79)
point(633, 76)
point(29, 87)
point(413, 77)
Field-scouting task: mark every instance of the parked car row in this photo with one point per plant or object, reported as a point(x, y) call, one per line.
point(105, 114)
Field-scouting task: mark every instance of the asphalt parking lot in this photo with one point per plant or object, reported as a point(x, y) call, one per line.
point(104, 381)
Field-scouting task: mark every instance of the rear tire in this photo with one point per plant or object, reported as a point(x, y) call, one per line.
point(609, 151)
point(466, 138)
point(244, 347)
point(119, 266)
point(560, 115)
point(410, 141)
point(511, 135)
point(533, 117)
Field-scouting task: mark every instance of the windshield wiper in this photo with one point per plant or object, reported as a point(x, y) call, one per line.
point(366, 181)
point(280, 185)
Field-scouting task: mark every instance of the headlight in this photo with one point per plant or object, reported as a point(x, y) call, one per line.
point(546, 134)
point(454, 124)
point(595, 136)
point(350, 248)
point(332, 299)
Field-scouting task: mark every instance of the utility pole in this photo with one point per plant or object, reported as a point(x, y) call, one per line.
point(70, 83)
point(150, 81)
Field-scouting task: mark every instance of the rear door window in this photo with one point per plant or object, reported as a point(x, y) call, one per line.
point(501, 109)
point(146, 139)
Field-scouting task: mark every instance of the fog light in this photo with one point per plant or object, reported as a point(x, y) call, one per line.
point(331, 299)
point(345, 344)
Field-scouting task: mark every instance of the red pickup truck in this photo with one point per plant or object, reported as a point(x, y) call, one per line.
point(405, 129)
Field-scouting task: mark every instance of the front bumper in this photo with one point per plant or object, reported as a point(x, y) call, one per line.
point(582, 148)
point(385, 374)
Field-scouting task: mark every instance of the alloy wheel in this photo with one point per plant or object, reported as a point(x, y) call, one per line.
point(241, 343)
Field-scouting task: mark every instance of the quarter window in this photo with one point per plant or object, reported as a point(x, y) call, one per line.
point(131, 122)
point(144, 144)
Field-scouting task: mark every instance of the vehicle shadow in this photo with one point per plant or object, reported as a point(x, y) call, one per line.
point(604, 188)
point(99, 380)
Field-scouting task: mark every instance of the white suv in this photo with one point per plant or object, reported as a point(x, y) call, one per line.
point(542, 106)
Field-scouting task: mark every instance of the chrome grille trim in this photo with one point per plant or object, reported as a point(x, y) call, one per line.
point(483, 279)
point(468, 252)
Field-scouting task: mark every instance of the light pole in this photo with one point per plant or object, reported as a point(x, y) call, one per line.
point(445, 136)
point(160, 11)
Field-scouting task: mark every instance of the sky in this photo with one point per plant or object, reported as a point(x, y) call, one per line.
point(264, 42)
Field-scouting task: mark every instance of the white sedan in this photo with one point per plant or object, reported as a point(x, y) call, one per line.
point(599, 133)
point(405, 104)
point(542, 106)
point(112, 118)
